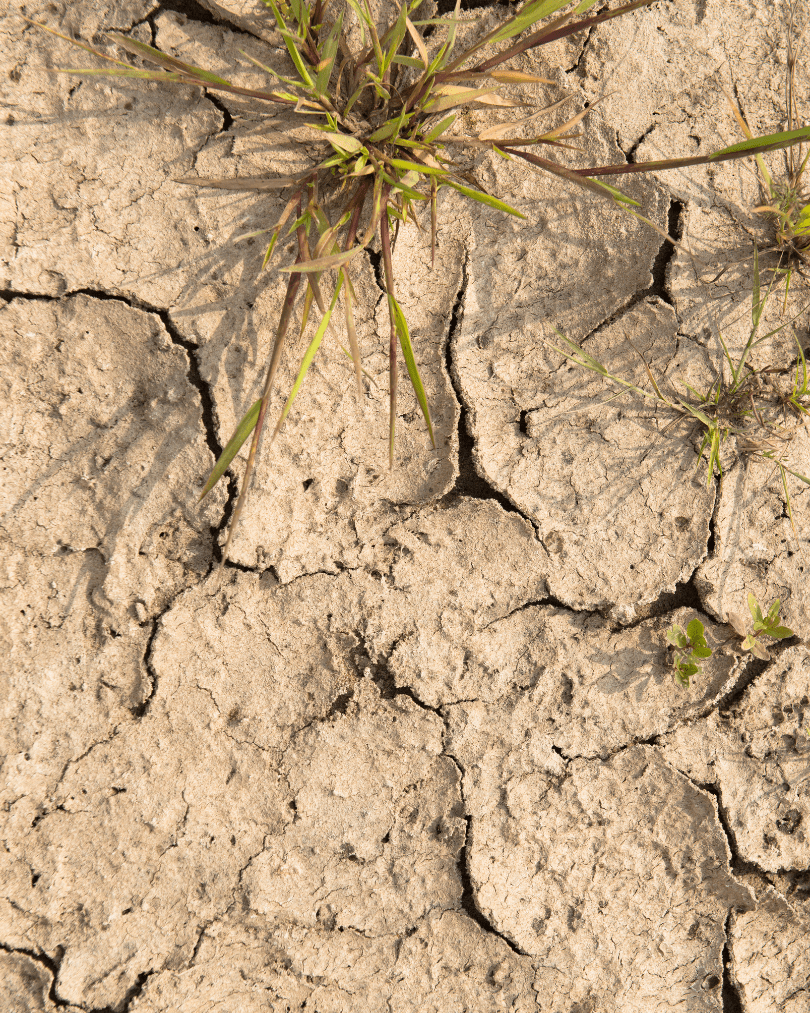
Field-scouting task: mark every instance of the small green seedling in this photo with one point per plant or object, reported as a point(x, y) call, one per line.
point(689, 650)
point(764, 626)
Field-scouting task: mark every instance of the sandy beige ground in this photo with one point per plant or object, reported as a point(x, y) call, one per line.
point(419, 748)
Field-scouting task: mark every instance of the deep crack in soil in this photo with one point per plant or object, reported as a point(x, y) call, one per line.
point(470, 482)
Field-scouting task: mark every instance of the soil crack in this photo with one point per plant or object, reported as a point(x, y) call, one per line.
point(729, 994)
point(469, 903)
point(658, 287)
point(192, 10)
point(378, 670)
point(200, 386)
point(51, 964)
point(469, 482)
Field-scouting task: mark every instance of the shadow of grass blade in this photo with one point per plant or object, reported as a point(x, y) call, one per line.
point(278, 346)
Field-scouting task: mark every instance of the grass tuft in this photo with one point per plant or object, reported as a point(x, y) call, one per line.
point(388, 118)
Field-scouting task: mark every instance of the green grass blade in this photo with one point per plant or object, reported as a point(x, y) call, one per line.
point(766, 142)
point(291, 41)
point(579, 355)
point(309, 355)
point(384, 132)
point(581, 358)
point(483, 198)
point(392, 40)
point(147, 75)
point(289, 81)
point(769, 454)
point(579, 177)
point(375, 39)
point(440, 127)
point(530, 14)
point(243, 430)
point(74, 42)
point(550, 33)
point(410, 363)
point(730, 361)
point(163, 60)
point(404, 165)
point(408, 61)
point(696, 413)
point(330, 47)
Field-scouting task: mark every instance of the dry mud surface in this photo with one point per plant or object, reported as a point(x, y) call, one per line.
point(419, 747)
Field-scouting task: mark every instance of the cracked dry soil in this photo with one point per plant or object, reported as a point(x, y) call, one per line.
point(419, 748)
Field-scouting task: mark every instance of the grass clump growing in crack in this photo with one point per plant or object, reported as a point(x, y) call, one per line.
point(386, 115)
point(786, 198)
point(761, 408)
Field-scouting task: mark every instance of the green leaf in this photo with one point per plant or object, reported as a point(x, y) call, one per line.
point(402, 187)
point(309, 355)
point(393, 39)
point(408, 61)
point(243, 430)
point(324, 70)
point(291, 41)
point(701, 652)
point(767, 142)
point(410, 363)
point(404, 165)
point(531, 12)
point(683, 673)
point(583, 358)
point(344, 142)
point(580, 177)
point(440, 127)
point(616, 194)
point(676, 636)
point(163, 60)
point(385, 131)
point(754, 609)
point(484, 198)
point(780, 632)
point(695, 632)
point(147, 75)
